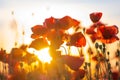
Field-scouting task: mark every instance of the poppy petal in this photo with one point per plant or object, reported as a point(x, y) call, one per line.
point(35, 36)
point(65, 22)
point(110, 40)
point(78, 75)
point(39, 29)
point(74, 62)
point(90, 31)
point(39, 43)
point(49, 23)
point(108, 33)
point(75, 22)
point(77, 40)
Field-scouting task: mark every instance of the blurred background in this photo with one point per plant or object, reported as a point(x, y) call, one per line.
point(18, 16)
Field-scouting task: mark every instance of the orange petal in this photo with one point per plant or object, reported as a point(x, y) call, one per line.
point(49, 23)
point(39, 43)
point(39, 29)
point(75, 22)
point(111, 40)
point(77, 40)
point(35, 36)
point(72, 61)
point(65, 22)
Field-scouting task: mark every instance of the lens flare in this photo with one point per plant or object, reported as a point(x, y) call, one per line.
point(43, 54)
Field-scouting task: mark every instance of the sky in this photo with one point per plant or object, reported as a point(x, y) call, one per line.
point(28, 13)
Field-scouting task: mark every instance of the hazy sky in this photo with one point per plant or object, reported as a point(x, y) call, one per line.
point(58, 8)
point(23, 9)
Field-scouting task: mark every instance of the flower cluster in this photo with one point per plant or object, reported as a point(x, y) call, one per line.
point(54, 30)
point(103, 33)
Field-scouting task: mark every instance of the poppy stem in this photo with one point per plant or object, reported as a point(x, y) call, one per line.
point(64, 49)
point(89, 65)
point(118, 53)
point(90, 62)
point(119, 63)
point(68, 50)
point(80, 52)
point(86, 69)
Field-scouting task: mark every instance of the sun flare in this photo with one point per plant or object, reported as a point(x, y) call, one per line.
point(43, 54)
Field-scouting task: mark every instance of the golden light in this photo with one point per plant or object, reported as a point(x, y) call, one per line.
point(71, 30)
point(27, 20)
point(74, 51)
point(43, 54)
point(69, 50)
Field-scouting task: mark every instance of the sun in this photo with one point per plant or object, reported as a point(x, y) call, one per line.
point(43, 55)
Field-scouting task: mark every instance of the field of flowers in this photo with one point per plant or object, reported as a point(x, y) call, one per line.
point(92, 63)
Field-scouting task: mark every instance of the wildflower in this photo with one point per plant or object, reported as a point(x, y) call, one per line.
point(73, 62)
point(107, 34)
point(62, 23)
point(55, 38)
point(95, 16)
point(92, 32)
point(67, 22)
point(92, 28)
point(77, 40)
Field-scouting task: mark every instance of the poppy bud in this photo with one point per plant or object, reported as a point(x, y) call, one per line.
point(95, 16)
point(96, 45)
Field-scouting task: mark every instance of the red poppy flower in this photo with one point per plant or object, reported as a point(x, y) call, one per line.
point(95, 16)
point(39, 30)
point(66, 22)
point(107, 34)
point(49, 23)
point(55, 38)
point(74, 62)
point(92, 28)
point(39, 43)
point(77, 40)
